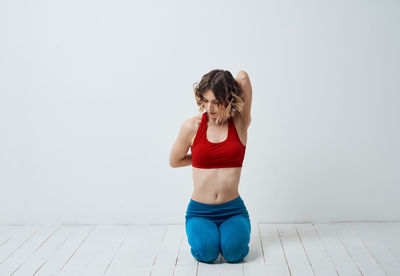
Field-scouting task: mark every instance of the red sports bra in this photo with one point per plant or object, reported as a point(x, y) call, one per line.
point(225, 154)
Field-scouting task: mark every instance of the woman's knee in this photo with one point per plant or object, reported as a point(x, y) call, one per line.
point(205, 252)
point(203, 238)
point(234, 251)
point(234, 238)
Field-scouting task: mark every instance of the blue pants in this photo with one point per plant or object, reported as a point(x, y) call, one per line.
point(215, 228)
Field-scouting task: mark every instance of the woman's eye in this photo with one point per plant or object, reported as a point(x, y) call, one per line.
point(212, 102)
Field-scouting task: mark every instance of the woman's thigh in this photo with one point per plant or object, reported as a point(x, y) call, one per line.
point(235, 237)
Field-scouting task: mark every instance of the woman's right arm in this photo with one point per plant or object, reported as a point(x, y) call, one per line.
point(178, 156)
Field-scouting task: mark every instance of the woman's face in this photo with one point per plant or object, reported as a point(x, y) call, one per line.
point(210, 104)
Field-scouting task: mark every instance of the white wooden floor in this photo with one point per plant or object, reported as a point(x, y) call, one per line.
point(275, 249)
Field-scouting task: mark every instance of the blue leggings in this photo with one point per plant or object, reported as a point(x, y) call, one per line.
point(215, 228)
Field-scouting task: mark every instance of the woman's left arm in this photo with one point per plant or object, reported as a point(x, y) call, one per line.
point(244, 81)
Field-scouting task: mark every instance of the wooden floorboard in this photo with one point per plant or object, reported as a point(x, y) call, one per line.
point(370, 248)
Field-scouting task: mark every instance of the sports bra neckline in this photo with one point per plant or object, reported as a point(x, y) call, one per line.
point(227, 136)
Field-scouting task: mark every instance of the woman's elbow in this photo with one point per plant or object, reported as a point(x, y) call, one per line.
point(242, 75)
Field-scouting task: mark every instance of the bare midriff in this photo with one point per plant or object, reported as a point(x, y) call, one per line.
point(216, 186)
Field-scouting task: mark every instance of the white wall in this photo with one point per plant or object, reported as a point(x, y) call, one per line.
point(93, 93)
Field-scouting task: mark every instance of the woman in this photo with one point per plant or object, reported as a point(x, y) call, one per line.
point(216, 217)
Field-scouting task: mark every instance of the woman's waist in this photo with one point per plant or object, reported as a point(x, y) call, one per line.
point(215, 190)
point(214, 196)
point(214, 212)
point(235, 205)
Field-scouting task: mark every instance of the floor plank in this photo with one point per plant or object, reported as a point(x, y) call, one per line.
point(317, 255)
point(358, 251)
point(390, 234)
point(167, 256)
point(341, 259)
point(377, 248)
point(13, 238)
point(274, 255)
point(44, 252)
point(254, 262)
point(297, 258)
point(65, 249)
point(27, 249)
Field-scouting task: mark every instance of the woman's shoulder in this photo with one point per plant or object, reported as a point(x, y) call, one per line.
point(193, 123)
point(196, 120)
point(191, 126)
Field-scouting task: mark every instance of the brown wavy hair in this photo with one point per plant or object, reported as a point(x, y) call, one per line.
point(225, 88)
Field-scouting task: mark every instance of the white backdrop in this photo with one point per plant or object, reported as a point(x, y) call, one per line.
point(93, 93)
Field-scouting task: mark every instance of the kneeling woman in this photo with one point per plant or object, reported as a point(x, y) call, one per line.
point(216, 217)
